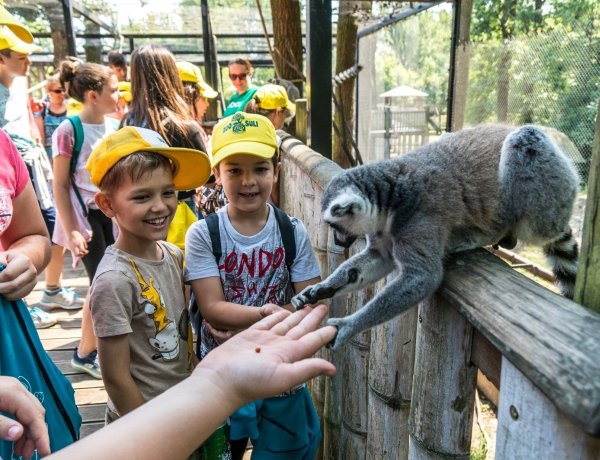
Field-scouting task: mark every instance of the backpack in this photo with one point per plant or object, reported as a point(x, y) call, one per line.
point(78, 136)
point(286, 229)
point(22, 356)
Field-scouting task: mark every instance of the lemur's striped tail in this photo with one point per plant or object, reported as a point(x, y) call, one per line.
point(562, 254)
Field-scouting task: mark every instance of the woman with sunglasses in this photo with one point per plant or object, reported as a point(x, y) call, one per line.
point(240, 74)
point(52, 111)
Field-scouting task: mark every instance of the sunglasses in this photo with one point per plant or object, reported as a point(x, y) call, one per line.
point(57, 91)
point(239, 76)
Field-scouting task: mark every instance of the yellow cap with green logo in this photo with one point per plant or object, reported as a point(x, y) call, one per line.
point(243, 133)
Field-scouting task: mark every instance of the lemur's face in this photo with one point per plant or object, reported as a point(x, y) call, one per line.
point(343, 211)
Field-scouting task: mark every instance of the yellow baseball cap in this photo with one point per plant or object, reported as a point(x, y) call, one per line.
point(192, 167)
point(270, 97)
point(13, 24)
point(245, 133)
point(73, 107)
point(124, 88)
point(189, 72)
point(9, 41)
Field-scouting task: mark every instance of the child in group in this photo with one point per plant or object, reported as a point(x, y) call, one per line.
point(272, 102)
point(137, 296)
point(83, 228)
point(249, 277)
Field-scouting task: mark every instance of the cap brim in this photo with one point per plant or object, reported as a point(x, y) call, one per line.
point(291, 107)
point(15, 26)
point(25, 48)
point(257, 149)
point(192, 166)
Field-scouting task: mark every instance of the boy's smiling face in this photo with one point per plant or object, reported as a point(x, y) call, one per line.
point(143, 210)
point(247, 181)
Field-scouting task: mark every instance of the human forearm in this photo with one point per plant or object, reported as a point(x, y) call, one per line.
point(231, 316)
point(265, 360)
point(123, 392)
point(35, 247)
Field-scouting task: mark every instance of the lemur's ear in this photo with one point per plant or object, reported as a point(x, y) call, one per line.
point(340, 210)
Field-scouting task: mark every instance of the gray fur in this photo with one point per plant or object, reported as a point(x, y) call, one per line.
point(486, 185)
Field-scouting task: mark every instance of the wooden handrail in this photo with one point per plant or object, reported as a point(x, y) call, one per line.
point(552, 340)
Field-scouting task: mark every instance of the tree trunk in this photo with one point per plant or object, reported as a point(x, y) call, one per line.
point(345, 58)
point(507, 20)
point(287, 46)
point(54, 13)
point(93, 46)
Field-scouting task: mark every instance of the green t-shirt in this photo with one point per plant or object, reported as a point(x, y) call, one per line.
point(237, 102)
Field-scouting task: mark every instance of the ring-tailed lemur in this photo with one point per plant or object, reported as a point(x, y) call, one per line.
point(486, 185)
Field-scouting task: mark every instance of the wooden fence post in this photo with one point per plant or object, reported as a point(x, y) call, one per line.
point(587, 288)
point(531, 426)
point(443, 394)
point(390, 380)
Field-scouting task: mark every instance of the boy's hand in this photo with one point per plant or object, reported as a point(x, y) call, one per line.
point(270, 308)
point(270, 357)
point(219, 334)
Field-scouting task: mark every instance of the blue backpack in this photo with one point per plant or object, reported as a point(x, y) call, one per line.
point(23, 357)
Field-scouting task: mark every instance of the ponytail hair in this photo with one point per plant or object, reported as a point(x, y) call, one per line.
point(78, 77)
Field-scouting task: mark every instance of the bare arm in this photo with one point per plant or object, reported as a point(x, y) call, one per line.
point(114, 361)
point(39, 121)
point(27, 246)
point(228, 377)
point(226, 315)
point(61, 187)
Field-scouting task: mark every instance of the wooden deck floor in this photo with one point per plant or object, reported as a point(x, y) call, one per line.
point(60, 341)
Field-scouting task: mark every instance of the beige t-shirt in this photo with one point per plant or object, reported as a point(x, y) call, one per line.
point(145, 299)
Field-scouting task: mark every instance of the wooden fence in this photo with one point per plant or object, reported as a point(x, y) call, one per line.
point(406, 389)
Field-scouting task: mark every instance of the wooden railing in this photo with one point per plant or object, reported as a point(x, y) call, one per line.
point(414, 377)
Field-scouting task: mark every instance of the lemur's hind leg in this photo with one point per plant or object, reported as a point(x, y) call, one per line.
point(361, 270)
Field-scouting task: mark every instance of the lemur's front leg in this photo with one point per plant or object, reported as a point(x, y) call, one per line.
point(359, 271)
point(415, 282)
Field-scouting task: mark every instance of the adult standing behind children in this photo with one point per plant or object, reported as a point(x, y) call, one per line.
point(83, 228)
point(137, 298)
point(240, 74)
point(255, 273)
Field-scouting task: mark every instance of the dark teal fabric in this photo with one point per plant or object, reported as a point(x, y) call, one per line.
point(23, 357)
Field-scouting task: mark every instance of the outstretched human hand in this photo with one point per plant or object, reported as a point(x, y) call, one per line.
point(28, 431)
point(271, 357)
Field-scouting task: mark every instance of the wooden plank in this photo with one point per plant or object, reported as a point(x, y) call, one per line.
point(89, 428)
point(90, 396)
point(552, 340)
point(487, 358)
point(587, 288)
point(60, 344)
point(530, 426)
point(93, 413)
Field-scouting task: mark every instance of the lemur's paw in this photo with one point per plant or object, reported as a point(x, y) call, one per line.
point(307, 296)
point(344, 332)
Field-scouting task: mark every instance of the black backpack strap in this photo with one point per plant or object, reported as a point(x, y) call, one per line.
point(287, 236)
point(77, 144)
point(212, 222)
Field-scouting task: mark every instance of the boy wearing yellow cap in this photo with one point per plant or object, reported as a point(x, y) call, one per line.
point(137, 297)
point(251, 276)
